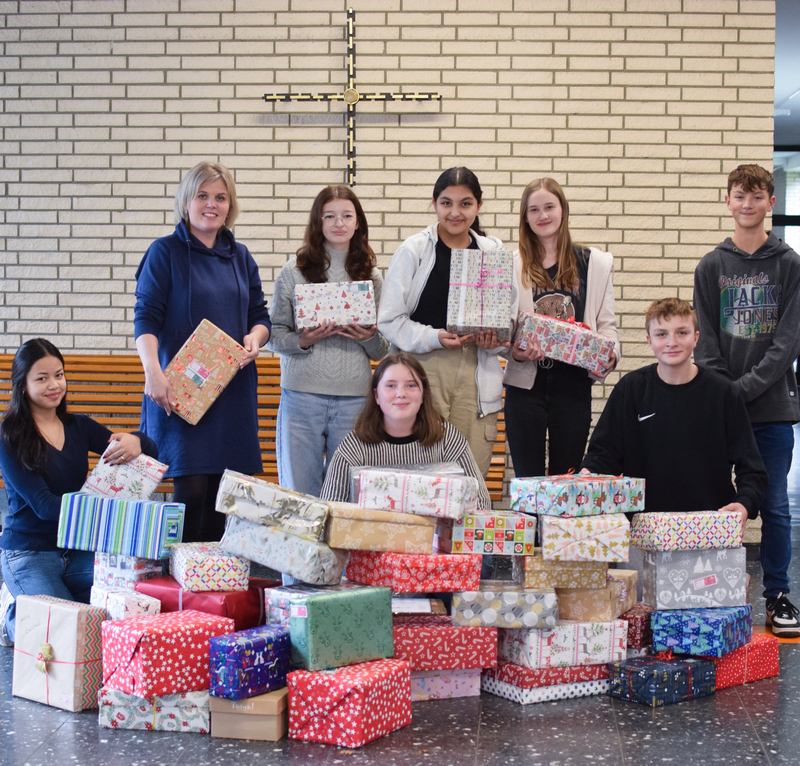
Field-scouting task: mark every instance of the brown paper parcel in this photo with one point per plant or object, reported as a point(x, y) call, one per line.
point(600, 604)
point(363, 529)
point(534, 572)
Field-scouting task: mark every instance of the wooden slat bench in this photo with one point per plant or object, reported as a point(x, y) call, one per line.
point(109, 389)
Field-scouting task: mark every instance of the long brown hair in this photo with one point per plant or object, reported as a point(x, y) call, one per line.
point(531, 248)
point(429, 425)
point(313, 261)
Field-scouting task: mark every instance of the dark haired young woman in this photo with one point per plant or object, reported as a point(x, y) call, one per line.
point(325, 371)
point(466, 378)
point(44, 454)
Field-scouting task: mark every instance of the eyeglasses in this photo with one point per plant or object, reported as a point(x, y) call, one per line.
point(346, 218)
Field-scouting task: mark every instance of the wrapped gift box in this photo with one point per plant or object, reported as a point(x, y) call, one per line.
point(588, 538)
point(160, 654)
point(63, 639)
point(640, 634)
point(306, 560)
point(533, 572)
point(575, 495)
point(412, 573)
point(568, 643)
point(355, 528)
point(343, 303)
point(278, 599)
point(206, 567)
point(656, 682)
point(696, 531)
point(694, 579)
point(249, 662)
point(481, 291)
point(187, 712)
point(120, 603)
point(568, 342)
point(507, 534)
point(335, 626)
point(600, 604)
point(445, 684)
point(138, 478)
point(142, 528)
point(259, 718)
point(707, 632)
point(448, 468)
point(387, 489)
point(116, 571)
point(349, 706)
point(201, 370)
point(751, 662)
point(418, 605)
point(500, 604)
point(633, 652)
point(527, 678)
point(259, 501)
point(432, 643)
point(543, 693)
point(245, 608)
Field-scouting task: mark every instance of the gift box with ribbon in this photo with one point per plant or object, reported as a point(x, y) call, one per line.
point(343, 303)
point(139, 478)
point(488, 532)
point(588, 538)
point(432, 643)
point(503, 604)
point(527, 696)
point(121, 603)
point(576, 495)
point(416, 573)
point(533, 572)
point(445, 684)
point(186, 712)
point(752, 662)
point(206, 567)
point(599, 604)
point(113, 570)
point(658, 681)
point(355, 528)
point(698, 530)
point(640, 634)
point(706, 632)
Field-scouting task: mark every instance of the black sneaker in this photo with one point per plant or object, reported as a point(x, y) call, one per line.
point(783, 616)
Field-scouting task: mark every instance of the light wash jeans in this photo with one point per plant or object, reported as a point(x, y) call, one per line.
point(62, 573)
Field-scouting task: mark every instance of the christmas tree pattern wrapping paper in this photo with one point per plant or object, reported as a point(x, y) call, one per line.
point(187, 712)
point(533, 572)
point(699, 530)
point(498, 604)
point(705, 632)
point(486, 532)
point(575, 495)
point(342, 303)
point(206, 567)
point(588, 538)
point(137, 479)
point(415, 573)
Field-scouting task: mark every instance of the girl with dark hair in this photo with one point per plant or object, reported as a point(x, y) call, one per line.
point(399, 425)
point(325, 371)
point(465, 372)
point(546, 398)
point(44, 454)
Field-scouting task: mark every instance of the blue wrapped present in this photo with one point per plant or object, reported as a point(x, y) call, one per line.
point(706, 632)
point(654, 681)
point(250, 662)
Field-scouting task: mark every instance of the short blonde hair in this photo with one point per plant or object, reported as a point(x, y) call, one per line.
point(200, 174)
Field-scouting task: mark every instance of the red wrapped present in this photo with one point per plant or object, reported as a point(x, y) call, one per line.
point(416, 573)
point(245, 607)
point(751, 662)
point(349, 706)
point(432, 642)
point(526, 678)
point(160, 654)
point(640, 634)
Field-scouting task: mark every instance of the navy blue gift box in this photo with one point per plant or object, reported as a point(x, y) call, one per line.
point(653, 681)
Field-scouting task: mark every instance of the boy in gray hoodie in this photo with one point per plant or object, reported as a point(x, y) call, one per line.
point(747, 299)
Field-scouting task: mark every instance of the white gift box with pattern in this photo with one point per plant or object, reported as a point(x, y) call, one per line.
point(343, 303)
point(121, 603)
point(137, 479)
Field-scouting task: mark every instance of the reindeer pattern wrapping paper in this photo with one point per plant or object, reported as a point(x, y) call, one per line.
point(137, 479)
point(343, 303)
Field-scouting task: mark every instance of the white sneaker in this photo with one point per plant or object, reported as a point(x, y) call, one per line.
point(6, 600)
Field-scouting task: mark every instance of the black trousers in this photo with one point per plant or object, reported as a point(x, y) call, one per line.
point(201, 523)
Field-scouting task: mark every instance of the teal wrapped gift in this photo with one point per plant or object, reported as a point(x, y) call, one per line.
point(706, 632)
point(142, 528)
point(653, 681)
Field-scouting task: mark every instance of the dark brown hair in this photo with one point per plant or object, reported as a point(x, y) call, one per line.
point(461, 177)
point(751, 178)
point(666, 308)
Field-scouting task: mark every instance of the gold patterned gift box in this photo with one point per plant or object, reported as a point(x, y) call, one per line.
point(600, 604)
point(354, 528)
point(586, 538)
point(534, 572)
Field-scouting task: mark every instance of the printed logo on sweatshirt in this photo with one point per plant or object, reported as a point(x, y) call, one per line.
point(749, 307)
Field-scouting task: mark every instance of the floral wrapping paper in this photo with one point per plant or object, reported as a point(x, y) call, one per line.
point(424, 494)
point(161, 654)
point(527, 678)
point(694, 579)
point(543, 693)
point(187, 712)
point(307, 560)
point(201, 370)
point(640, 634)
point(448, 468)
point(445, 684)
point(565, 341)
point(655, 682)
point(114, 570)
point(65, 637)
point(249, 662)
point(355, 528)
point(751, 662)
point(481, 292)
point(568, 643)
point(600, 604)
point(120, 603)
point(137, 479)
point(432, 643)
point(588, 538)
point(206, 567)
point(498, 604)
point(349, 706)
point(700, 530)
point(262, 502)
point(500, 532)
point(575, 495)
point(705, 632)
point(533, 572)
point(415, 573)
point(342, 303)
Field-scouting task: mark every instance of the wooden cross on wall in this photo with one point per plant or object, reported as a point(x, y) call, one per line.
point(351, 97)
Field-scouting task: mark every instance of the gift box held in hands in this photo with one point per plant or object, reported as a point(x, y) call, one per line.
point(206, 567)
point(698, 530)
point(136, 479)
point(187, 712)
point(342, 303)
point(654, 682)
point(410, 573)
point(500, 532)
point(576, 495)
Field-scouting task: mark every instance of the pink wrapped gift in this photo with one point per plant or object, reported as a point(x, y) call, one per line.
point(691, 531)
point(445, 684)
point(416, 573)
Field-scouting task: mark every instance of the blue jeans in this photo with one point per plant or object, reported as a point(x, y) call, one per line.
point(310, 427)
point(775, 443)
point(62, 573)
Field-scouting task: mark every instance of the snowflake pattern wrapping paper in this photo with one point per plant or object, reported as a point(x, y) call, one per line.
point(640, 634)
point(655, 682)
point(445, 684)
point(433, 643)
point(206, 567)
point(533, 572)
point(498, 604)
point(695, 531)
point(600, 604)
point(114, 570)
point(187, 712)
point(415, 573)
point(587, 538)
point(343, 303)
point(543, 693)
point(574, 495)
point(349, 706)
point(161, 654)
point(355, 528)
point(527, 678)
point(137, 479)
point(705, 632)
point(500, 532)
point(751, 662)
point(121, 603)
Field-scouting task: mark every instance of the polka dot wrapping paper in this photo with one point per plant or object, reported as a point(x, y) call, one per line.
point(498, 605)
